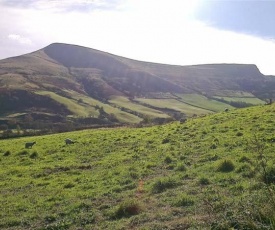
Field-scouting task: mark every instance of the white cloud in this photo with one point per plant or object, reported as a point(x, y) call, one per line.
point(20, 39)
point(61, 5)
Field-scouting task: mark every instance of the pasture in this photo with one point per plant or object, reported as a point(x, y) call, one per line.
point(250, 100)
point(124, 102)
point(214, 172)
point(203, 102)
point(174, 104)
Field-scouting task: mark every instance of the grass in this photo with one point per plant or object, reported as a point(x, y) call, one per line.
point(234, 93)
point(126, 103)
point(91, 103)
point(73, 106)
point(251, 100)
point(160, 177)
point(87, 107)
point(204, 102)
point(174, 104)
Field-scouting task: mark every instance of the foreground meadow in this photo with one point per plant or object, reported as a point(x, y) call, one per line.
point(214, 172)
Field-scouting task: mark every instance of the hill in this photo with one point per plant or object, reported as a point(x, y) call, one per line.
point(214, 172)
point(71, 86)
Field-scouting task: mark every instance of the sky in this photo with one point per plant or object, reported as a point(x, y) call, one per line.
point(178, 32)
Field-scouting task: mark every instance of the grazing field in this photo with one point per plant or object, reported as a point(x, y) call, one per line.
point(85, 106)
point(215, 172)
point(250, 100)
point(73, 106)
point(233, 93)
point(174, 104)
point(124, 102)
point(91, 105)
point(203, 102)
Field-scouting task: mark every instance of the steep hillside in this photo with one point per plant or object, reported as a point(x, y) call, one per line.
point(88, 83)
point(215, 172)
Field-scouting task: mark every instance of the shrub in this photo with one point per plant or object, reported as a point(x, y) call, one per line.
point(245, 159)
point(204, 181)
point(214, 158)
point(165, 140)
point(23, 153)
point(213, 146)
point(168, 159)
point(126, 209)
point(7, 153)
point(269, 175)
point(226, 166)
point(181, 167)
point(170, 167)
point(239, 134)
point(69, 185)
point(50, 219)
point(85, 218)
point(246, 170)
point(163, 184)
point(34, 155)
point(183, 201)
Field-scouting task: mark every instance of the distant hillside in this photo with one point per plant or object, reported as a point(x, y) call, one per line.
point(87, 86)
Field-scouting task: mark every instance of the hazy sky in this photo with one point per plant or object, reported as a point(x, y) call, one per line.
point(182, 32)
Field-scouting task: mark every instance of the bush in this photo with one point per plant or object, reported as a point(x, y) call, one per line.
point(7, 153)
point(163, 184)
point(269, 175)
point(165, 141)
point(244, 159)
point(213, 146)
point(126, 209)
point(168, 159)
point(23, 153)
point(246, 170)
point(239, 134)
point(204, 181)
point(34, 155)
point(183, 201)
point(85, 218)
point(181, 167)
point(69, 185)
point(226, 166)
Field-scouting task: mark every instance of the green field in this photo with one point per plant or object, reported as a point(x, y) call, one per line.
point(233, 93)
point(86, 107)
point(124, 102)
point(250, 100)
point(203, 102)
point(174, 104)
point(215, 172)
point(73, 106)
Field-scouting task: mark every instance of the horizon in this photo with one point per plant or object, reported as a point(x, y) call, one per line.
point(174, 33)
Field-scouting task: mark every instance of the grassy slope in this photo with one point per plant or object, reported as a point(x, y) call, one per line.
point(73, 106)
point(126, 103)
point(250, 100)
point(167, 175)
point(174, 104)
point(87, 106)
point(203, 102)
